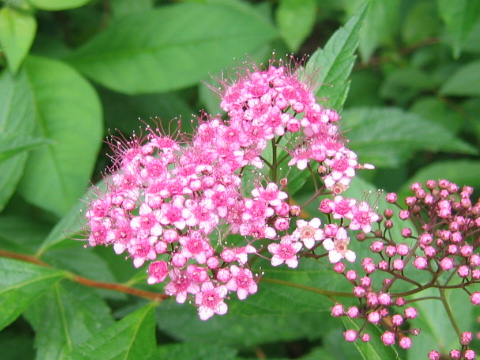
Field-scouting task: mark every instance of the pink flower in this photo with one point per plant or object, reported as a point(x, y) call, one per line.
point(285, 252)
point(309, 232)
point(210, 300)
point(242, 282)
point(157, 272)
point(363, 217)
point(271, 194)
point(337, 248)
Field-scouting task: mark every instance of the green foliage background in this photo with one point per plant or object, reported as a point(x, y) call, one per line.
point(73, 69)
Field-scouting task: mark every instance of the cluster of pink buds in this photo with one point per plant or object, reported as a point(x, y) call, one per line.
point(439, 238)
point(182, 205)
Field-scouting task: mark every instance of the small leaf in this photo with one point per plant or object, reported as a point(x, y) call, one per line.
point(66, 317)
point(464, 82)
point(374, 349)
point(57, 4)
point(192, 40)
point(68, 112)
point(295, 19)
point(335, 61)
point(387, 137)
point(21, 284)
point(17, 116)
point(131, 338)
point(460, 17)
point(17, 31)
point(12, 145)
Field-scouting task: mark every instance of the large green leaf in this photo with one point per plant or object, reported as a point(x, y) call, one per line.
point(67, 112)
point(175, 47)
point(333, 64)
point(66, 317)
point(386, 137)
point(464, 82)
point(16, 117)
point(295, 19)
point(191, 351)
point(17, 31)
point(21, 283)
point(131, 338)
point(57, 4)
point(460, 17)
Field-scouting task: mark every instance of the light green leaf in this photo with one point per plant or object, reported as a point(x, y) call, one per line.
point(57, 4)
point(67, 112)
point(374, 349)
point(380, 24)
point(191, 351)
point(386, 137)
point(334, 62)
point(65, 318)
point(131, 338)
point(12, 145)
point(295, 19)
point(461, 172)
point(464, 82)
point(17, 31)
point(21, 283)
point(192, 40)
point(16, 117)
point(460, 17)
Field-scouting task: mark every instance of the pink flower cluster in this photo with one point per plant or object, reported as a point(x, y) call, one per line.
point(174, 202)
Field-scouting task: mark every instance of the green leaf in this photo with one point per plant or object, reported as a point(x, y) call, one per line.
point(192, 40)
point(461, 172)
point(436, 111)
point(16, 117)
point(22, 234)
point(295, 19)
point(70, 225)
point(17, 31)
point(68, 112)
point(239, 329)
point(332, 64)
point(460, 17)
point(12, 145)
point(131, 338)
point(374, 349)
point(464, 82)
point(191, 351)
point(66, 317)
point(387, 137)
point(21, 283)
point(380, 24)
point(57, 4)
